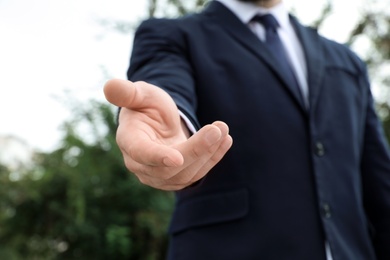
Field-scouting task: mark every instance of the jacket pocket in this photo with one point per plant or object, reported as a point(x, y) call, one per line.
point(209, 210)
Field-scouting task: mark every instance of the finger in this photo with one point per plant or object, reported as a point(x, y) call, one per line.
point(166, 178)
point(166, 161)
point(151, 176)
point(198, 169)
point(149, 153)
point(200, 144)
point(197, 151)
point(223, 127)
point(204, 143)
point(216, 158)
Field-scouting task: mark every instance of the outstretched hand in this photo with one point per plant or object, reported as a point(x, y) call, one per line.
point(155, 143)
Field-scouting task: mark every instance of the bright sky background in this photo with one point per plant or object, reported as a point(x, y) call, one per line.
point(48, 47)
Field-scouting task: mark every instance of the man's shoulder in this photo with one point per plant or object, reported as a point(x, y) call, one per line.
point(178, 29)
point(340, 53)
point(190, 19)
point(330, 46)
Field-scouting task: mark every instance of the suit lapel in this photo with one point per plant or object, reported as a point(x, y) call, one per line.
point(247, 38)
point(315, 61)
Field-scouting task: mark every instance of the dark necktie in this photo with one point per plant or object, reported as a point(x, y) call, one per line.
point(277, 49)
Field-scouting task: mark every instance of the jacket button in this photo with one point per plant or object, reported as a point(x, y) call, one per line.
point(326, 212)
point(319, 149)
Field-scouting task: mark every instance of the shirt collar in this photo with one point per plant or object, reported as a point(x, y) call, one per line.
point(246, 11)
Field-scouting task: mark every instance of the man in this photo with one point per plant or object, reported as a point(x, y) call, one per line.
point(308, 176)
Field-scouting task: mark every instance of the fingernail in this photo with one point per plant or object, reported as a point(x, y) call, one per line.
point(213, 136)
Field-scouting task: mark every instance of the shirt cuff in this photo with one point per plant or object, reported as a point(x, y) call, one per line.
point(190, 126)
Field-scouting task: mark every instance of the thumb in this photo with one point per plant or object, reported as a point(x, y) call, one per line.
point(132, 95)
point(144, 97)
point(122, 93)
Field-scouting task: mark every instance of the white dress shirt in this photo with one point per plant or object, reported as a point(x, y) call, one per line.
point(246, 11)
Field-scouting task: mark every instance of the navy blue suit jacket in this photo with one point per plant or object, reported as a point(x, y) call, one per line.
point(294, 177)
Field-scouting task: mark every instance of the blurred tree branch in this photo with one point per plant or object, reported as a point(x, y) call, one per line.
point(326, 11)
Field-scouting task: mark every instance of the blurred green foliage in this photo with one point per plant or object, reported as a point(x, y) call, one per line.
point(79, 201)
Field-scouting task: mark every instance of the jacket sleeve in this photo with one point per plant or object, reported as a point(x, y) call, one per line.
point(375, 166)
point(160, 57)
